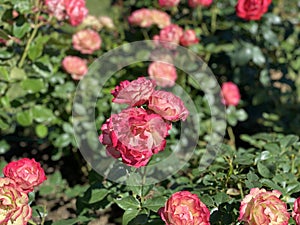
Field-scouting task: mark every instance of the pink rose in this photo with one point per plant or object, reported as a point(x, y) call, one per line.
point(27, 173)
point(230, 94)
point(164, 74)
point(141, 17)
point(184, 208)
point(169, 106)
point(14, 208)
point(86, 41)
point(189, 38)
point(262, 207)
point(56, 8)
point(195, 3)
point(75, 66)
point(134, 93)
point(160, 18)
point(76, 11)
point(168, 3)
point(252, 9)
point(296, 211)
point(134, 135)
point(170, 36)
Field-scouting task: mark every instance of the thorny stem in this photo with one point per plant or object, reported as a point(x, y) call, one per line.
point(143, 183)
point(231, 137)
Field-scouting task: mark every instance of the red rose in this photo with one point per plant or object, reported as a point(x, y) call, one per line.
point(252, 9)
point(189, 38)
point(230, 94)
point(195, 3)
point(170, 36)
point(27, 173)
point(56, 8)
point(169, 106)
point(164, 74)
point(134, 135)
point(296, 211)
point(134, 93)
point(86, 41)
point(168, 3)
point(76, 11)
point(184, 208)
point(75, 66)
point(14, 208)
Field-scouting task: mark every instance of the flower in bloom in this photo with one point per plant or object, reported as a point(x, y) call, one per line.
point(76, 11)
point(169, 36)
point(195, 3)
point(252, 9)
point(296, 211)
point(86, 41)
point(134, 135)
point(147, 17)
point(27, 173)
point(14, 208)
point(184, 208)
point(56, 8)
point(168, 3)
point(141, 17)
point(189, 38)
point(262, 207)
point(160, 18)
point(75, 66)
point(134, 93)
point(164, 74)
point(92, 22)
point(230, 94)
point(168, 105)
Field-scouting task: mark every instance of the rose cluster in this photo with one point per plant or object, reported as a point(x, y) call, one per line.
point(20, 178)
point(139, 131)
point(259, 207)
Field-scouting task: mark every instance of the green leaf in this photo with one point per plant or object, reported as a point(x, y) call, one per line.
point(4, 147)
point(20, 29)
point(15, 91)
point(24, 118)
point(41, 130)
point(264, 170)
point(42, 114)
point(97, 195)
point(241, 115)
point(129, 215)
point(220, 198)
point(32, 85)
point(128, 203)
point(155, 203)
point(38, 211)
point(288, 141)
point(258, 57)
point(17, 74)
point(4, 75)
point(62, 141)
point(22, 6)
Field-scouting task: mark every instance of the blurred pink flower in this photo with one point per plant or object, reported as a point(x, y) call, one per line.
point(134, 93)
point(141, 17)
point(189, 38)
point(27, 173)
point(148, 17)
point(168, 3)
point(86, 41)
point(169, 36)
point(106, 22)
point(230, 94)
point(76, 11)
point(14, 208)
point(195, 3)
point(184, 208)
point(56, 8)
point(168, 105)
point(134, 135)
point(296, 211)
point(262, 207)
point(75, 66)
point(164, 74)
